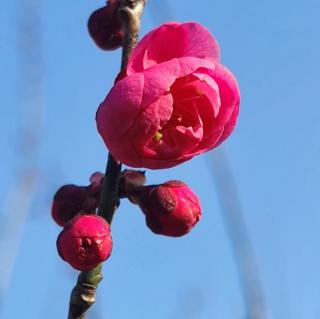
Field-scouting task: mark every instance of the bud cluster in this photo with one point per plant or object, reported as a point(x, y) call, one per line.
point(170, 209)
point(85, 240)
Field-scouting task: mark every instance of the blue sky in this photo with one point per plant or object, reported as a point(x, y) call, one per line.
point(273, 48)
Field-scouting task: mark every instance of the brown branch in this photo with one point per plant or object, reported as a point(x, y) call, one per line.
point(83, 295)
point(109, 200)
point(130, 12)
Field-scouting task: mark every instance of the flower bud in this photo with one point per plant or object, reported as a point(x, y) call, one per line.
point(70, 200)
point(96, 180)
point(85, 242)
point(171, 209)
point(105, 28)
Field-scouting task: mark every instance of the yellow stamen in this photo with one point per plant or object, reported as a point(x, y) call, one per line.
point(158, 136)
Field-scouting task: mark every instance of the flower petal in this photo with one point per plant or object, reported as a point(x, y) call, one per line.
point(225, 122)
point(174, 40)
point(120, 108)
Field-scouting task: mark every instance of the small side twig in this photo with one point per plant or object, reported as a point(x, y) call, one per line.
point(83, 295)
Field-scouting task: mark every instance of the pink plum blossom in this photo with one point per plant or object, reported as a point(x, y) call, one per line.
point(175, 100)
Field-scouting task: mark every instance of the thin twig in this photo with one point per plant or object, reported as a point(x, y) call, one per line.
point(83, 294)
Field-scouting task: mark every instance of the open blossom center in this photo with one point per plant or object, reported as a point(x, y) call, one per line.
point(186, 121)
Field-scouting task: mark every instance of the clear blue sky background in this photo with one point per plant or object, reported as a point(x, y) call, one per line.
point(273, 48)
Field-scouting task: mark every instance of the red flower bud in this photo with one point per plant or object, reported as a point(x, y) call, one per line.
point(171, 209)
point(96, 178)
point(105, 28)
point(71, 200)
point(85, 242)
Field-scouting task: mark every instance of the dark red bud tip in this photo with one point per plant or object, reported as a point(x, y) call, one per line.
point(171, 209)
point(105, 28)
point(85, 242)
point(96, 180)
point(68, 201)
point(130, 181)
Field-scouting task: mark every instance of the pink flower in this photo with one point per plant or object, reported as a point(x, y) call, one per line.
point(176, 100)
point(85, 242)
point(171, 209)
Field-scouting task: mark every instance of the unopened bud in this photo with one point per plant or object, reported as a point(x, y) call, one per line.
point(105, 28)
point(171, 209)
point(85, 242)
point(69, 201)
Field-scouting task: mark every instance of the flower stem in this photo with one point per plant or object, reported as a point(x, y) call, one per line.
point(109, 199)
point(83, 295)
point(130, 12)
